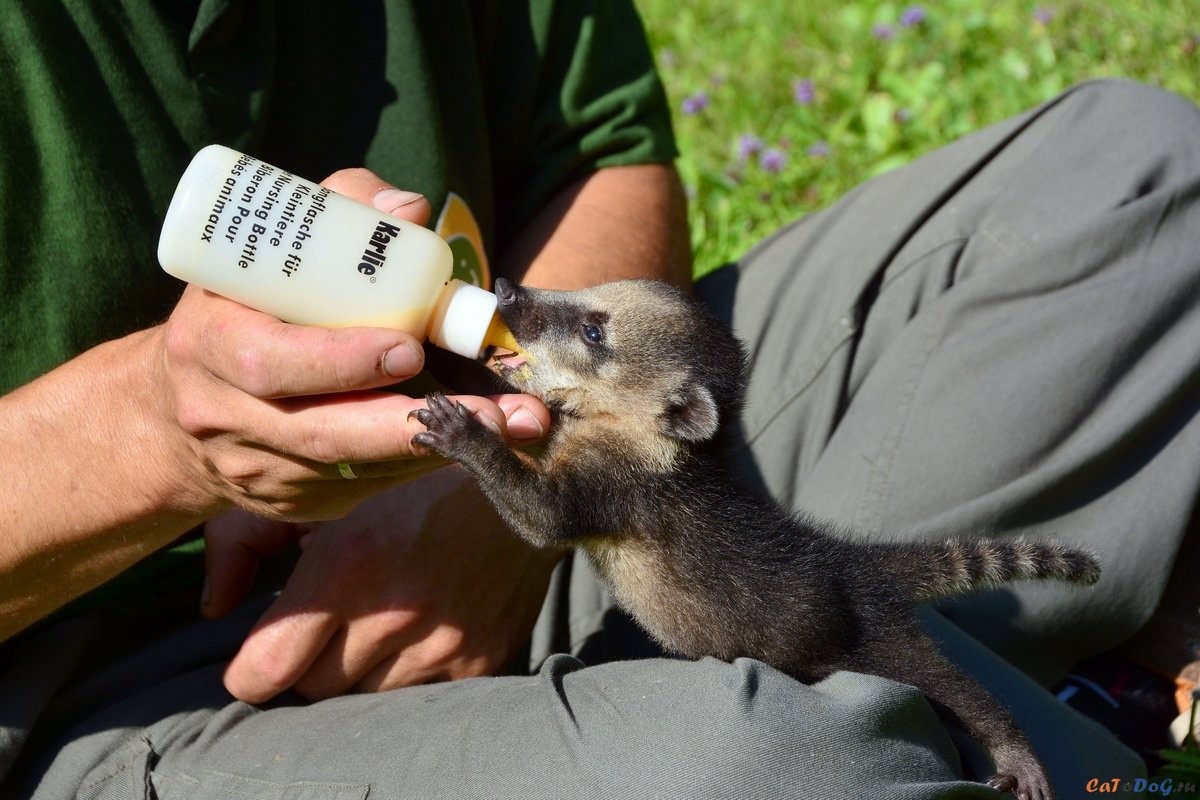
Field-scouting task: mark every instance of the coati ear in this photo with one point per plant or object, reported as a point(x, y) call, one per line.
point(691, 415)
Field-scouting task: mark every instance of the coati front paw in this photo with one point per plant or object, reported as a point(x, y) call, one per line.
point(452, 429)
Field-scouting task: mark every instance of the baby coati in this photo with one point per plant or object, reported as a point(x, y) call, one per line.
point(645, 384)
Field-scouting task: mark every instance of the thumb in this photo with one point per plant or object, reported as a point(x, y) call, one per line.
point(367, 187)
point(234, 544)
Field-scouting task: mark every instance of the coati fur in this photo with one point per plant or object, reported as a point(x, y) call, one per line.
point(645, 384)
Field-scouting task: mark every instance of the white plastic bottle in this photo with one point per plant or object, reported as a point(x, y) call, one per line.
point(300, 252)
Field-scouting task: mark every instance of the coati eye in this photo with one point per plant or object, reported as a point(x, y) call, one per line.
point(593, 333)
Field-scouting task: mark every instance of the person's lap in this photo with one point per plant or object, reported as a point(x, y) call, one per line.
point(656, 727)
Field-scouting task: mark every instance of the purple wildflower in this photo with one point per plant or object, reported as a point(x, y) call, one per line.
point(748, 145)
point(883, 32)
point(695, 103)
point(772, 160)
point(902, 115)
point(819, 149)
point(913, 15)
point(1043, 14)
point(804, 92)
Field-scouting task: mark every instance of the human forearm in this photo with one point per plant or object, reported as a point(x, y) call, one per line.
point(616, 223)
point(87, 492)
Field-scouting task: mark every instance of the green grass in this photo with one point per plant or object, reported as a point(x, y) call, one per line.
point(878, 103)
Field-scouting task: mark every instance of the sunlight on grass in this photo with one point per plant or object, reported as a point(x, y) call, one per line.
point(782, 106)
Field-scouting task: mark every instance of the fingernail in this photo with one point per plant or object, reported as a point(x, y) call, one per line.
point(391, 199)
point(489, 423)
point(402, 361)
point(524, 425)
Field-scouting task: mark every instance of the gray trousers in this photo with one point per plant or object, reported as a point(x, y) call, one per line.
point(1002, 336)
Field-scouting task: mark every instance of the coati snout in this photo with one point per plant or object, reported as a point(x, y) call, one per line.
point(645, 383)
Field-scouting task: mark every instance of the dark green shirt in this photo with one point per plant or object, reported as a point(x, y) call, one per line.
point(103, 103)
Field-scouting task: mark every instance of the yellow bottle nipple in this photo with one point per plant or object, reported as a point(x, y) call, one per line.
point(499, 335)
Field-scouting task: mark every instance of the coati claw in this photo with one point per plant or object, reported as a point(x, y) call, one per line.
point(1034, 788)
point(1002, 783)
point(450, 426)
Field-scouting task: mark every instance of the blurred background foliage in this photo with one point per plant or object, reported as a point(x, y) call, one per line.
point(781, 106)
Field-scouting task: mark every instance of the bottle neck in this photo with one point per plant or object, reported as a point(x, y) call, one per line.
point(462, 318)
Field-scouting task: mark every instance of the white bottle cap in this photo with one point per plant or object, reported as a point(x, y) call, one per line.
point(461, 318)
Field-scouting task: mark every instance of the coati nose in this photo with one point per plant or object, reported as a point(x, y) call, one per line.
point(506, 292)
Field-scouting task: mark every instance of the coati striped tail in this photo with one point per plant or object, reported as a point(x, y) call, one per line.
point(959, 566)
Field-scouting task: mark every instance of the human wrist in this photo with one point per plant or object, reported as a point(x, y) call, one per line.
point(145, 441)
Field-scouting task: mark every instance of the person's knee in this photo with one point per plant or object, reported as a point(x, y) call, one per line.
point(1115, 103)
point(713, 729)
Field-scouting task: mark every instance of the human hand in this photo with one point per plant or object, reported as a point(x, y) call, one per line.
point(419, 584)
point(264, 410)
point(221, 406)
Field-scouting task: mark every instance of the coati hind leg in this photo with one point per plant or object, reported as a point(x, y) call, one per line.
point(918, 662)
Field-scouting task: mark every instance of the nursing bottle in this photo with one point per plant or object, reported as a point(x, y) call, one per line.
point(307, 255)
